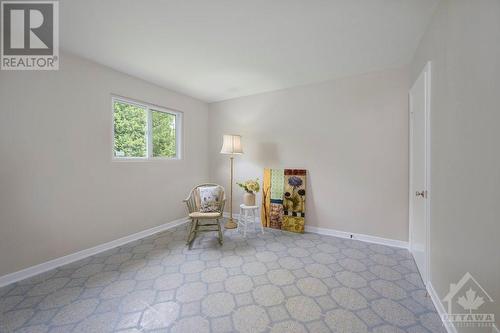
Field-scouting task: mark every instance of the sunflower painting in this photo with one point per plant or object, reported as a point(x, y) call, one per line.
point(284, 199)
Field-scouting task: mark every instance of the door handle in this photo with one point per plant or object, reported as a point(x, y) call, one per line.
point(422, 194)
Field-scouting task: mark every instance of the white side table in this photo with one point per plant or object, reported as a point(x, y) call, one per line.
point(248, 214)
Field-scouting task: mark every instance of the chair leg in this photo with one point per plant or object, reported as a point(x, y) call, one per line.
point(221, 236)
point(193, 234)
point(191, 228)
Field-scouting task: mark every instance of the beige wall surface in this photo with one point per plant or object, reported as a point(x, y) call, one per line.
point(350, 134)
point(463, 43)
point(60, 190)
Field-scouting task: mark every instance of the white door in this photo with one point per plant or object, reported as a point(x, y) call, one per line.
point(419, 171)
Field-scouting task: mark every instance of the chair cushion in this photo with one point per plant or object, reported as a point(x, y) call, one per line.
point(200, 215)
point(209, 199)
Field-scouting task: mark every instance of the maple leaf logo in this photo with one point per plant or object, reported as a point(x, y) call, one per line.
point(470, 301)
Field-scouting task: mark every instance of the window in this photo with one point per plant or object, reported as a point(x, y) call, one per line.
point(142, 131)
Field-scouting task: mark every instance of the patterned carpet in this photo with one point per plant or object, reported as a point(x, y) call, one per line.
point(276, 282)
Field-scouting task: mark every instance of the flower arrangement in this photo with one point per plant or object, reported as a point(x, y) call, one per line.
point(250, 185)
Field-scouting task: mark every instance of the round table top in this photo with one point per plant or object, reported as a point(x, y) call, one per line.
point(243, 206)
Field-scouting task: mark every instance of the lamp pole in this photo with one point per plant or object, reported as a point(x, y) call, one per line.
point(230, 223)
point(231, 145)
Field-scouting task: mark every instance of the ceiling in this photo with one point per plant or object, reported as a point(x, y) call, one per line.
point(220, 49)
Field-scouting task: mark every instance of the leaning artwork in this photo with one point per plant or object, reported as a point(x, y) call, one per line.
point(284, 199)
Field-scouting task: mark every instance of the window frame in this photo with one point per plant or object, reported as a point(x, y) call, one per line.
point(149, 108)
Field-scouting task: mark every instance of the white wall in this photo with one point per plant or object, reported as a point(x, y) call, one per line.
point(350, 134)
point(60, 190)
point(463, 43)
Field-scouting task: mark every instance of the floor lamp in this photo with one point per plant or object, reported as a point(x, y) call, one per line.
point(231, 145)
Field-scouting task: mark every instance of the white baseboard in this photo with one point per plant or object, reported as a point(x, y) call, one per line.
point(360, 237)
point(349, 235)
point(495, 329)
point(235, 216)
point(48, 265)
point(450, 328)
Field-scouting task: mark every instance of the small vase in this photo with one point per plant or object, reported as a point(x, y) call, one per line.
point(249, 199)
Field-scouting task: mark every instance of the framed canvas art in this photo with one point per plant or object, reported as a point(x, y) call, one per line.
point(284, 199)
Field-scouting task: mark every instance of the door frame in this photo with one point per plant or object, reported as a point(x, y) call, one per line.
point(426, 71)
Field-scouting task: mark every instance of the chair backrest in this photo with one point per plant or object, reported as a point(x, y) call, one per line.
point(193, 201)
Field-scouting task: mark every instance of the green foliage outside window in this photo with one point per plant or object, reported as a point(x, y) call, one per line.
point(163, 134)
point(130, 130)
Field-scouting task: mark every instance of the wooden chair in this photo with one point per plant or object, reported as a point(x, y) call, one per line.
point(198, 218)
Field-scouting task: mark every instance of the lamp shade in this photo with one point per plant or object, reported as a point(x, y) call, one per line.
point(231, 144)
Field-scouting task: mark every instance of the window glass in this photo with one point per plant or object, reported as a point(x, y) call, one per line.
point(163, 128)
point(130, 126)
